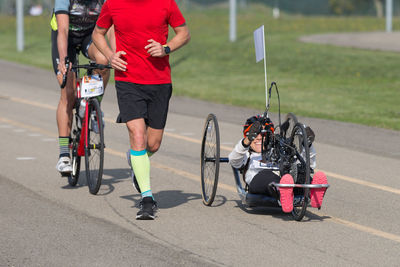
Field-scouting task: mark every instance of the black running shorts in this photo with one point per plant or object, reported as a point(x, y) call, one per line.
point(74, 43)
point(148, 101)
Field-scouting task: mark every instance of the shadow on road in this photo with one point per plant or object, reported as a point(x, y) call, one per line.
point(110, 177)
point(166, 199)
point(277, 212)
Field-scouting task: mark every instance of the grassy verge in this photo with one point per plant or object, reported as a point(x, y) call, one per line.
point(323, 81)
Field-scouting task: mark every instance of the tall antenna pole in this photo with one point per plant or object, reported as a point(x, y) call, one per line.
point(232, 20)
point(389, 14)
point(20, 25)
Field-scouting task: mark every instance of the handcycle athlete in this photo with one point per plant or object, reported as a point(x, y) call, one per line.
point(72, 25)
point(276, 163)
point(261, 176)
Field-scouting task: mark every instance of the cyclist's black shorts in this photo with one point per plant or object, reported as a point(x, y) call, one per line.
point(148, 101)
point(82, 43)
point(261, 183)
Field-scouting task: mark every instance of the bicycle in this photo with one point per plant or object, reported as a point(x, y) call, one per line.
point(87, 132)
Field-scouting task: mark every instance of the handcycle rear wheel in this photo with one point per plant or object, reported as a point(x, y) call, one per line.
point(94, 147)
point(301, 164)
point(75, 159)
point(210, 159)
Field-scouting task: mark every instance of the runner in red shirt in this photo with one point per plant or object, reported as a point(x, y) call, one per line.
point(143, 77)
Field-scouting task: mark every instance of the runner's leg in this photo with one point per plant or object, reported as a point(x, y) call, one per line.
point(139, 158)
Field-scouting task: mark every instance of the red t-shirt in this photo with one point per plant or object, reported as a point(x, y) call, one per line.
point(135, 22)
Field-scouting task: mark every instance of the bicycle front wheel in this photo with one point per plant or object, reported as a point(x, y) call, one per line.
point(210, 156)
point(94, 146)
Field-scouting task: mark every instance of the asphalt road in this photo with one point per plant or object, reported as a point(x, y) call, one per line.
point(45, 222)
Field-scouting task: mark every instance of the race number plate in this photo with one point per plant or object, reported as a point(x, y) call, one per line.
point(92, 86)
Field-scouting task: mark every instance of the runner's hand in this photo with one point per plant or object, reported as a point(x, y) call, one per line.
point(255, 129)
point(116, 61)
point(155, 49)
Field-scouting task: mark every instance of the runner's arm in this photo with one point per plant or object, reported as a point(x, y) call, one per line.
point(111, 38)
point(99, 40)
point(182, 37)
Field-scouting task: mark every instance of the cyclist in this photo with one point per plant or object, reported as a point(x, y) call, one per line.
point(72, 24)
point(260, 179)
point(143, 76)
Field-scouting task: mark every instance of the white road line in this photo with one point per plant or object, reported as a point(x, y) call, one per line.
point(25, 158)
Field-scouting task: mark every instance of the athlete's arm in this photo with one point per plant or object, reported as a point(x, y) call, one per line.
point(62, 40)
point(99, 40)
point(111, 38)
point(182, 37)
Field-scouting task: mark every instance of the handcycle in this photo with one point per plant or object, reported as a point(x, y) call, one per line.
point(286, 149)
point(87, 131)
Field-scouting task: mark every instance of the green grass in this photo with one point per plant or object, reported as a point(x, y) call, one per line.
point(322, 81)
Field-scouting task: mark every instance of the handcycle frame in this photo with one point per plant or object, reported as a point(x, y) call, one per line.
point(80, 144)
point(287, 150)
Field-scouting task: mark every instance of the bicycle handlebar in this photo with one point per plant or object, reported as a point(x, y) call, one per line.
point(90, 66)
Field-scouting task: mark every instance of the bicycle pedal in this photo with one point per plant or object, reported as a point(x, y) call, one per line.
point(65, 174)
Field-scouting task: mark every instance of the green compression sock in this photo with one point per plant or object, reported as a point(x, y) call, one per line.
point(63, 142)
point(141, 167)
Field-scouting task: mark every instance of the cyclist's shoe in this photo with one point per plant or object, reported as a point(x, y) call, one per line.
point(64, 165)
point(317, 194)
point(147, 210)
point(286, 193)
point(134, 181)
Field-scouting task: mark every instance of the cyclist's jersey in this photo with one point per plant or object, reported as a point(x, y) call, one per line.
point(83, 15)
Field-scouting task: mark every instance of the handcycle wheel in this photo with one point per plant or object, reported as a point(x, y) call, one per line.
point(300, 169)
point(210, 156)
point(76, 160)
point(94, 147)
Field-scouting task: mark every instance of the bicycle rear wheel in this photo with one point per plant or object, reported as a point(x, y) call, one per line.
point(300, 170)
point(210, 149)
point(76, 160)
point(94, 147)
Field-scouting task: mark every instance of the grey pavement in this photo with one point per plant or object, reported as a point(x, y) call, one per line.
point(47, 233)
point(47, 223)
point(366, 40)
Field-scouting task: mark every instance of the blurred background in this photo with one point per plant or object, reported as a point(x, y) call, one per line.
point(305, 7)
point(315, 80)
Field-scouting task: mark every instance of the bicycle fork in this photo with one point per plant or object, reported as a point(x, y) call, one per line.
point(84, 132)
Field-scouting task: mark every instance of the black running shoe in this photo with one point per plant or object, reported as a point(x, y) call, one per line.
point(147, 209)
point(134, 181)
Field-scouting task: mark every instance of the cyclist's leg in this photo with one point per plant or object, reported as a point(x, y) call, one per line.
point(64, 108)
point(89, 50)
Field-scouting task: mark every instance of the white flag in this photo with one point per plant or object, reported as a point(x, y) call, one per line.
point(259, 43)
